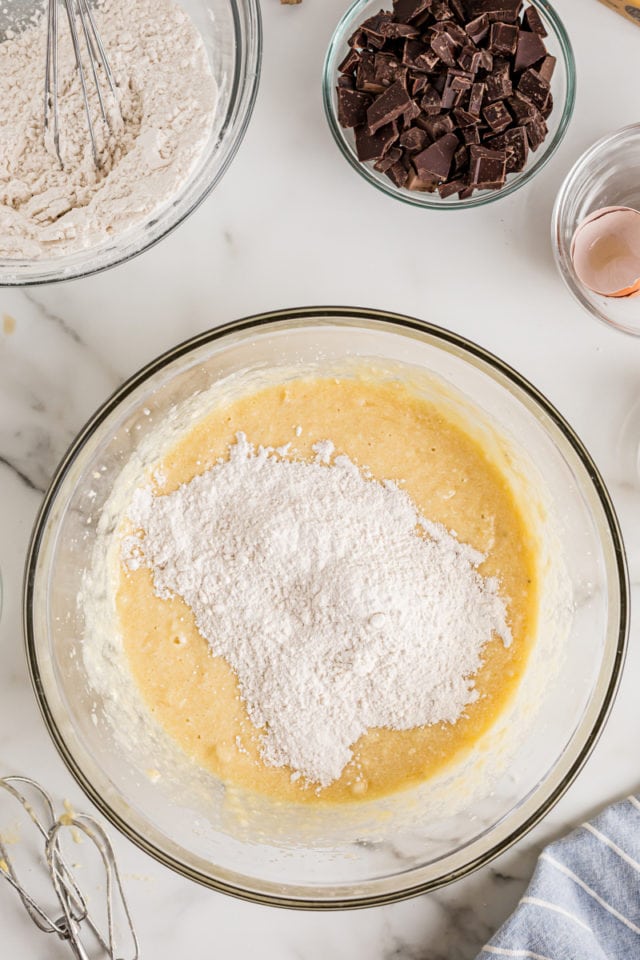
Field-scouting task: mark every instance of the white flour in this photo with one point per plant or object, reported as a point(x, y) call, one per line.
point(167, 98)
point(339, 607)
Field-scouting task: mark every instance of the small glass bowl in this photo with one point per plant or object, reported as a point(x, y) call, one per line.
point(605, 176)
point(232, 35)
point(563, 88)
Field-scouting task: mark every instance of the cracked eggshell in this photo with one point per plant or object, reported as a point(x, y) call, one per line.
point(605, 251)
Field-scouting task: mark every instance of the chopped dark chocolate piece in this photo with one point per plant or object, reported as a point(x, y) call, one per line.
point(478, 28)
point(505, 10)
point(487, 167)
point(548, 107)
point(419, 84)
point(533, 88)
point(416, 182)
point(428, 60)
point(413, 139)
point(455, 32)
point(410, 114)
point(373, 146)
point(419, 57)
point(450, 187)
point(459, 10)
point(547, 67)
point(385, 68)
point(440, 10)
point(467, 192)
point(465, 119)
point(499, 85)
point(456, 86)
point(475, 98)
point(460, 161)
point(366, 74)
point(358, 39)
point(437, 127)
point(395, 31)
point(471, 134)
point(536, 130)
point(391, 157)
point(497, 116)
point(503, 38)
point(435, 161)
point(350, 62)
point(469, 59)
point(372, 28)
point(398, 174)
point(534, 22)
point(530, 49)
point(486, 60)
point(388, 106)
point(431, 101)
point(346, 82)
point(352, 107)
point(521, 109)
point(514, 143)
point(407, 10)
point(445, 48)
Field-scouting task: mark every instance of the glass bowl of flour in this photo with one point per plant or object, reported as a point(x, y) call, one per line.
point(187, 75)
point(204, 826)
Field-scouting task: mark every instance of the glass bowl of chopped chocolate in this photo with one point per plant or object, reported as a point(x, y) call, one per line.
point(449, 103)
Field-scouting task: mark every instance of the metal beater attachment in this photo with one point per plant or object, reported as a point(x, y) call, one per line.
point(81, 21)
point(75, 925)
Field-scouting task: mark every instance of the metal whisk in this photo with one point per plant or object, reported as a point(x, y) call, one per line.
point(75, 920)
point(79, 15)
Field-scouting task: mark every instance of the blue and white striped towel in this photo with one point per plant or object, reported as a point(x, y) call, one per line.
point(583, 902)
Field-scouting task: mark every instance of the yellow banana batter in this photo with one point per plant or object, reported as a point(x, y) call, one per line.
point(398, 436)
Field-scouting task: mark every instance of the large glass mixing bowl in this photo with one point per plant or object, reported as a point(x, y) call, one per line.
point(364, 853)
point(232, 34)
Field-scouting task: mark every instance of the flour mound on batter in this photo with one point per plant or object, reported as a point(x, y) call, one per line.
point(339, 607)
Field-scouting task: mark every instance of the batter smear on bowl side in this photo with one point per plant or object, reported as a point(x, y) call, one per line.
point(328, 592)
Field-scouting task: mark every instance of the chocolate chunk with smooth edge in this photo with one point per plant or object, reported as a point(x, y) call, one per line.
point(537, 130)
point(435, 161)
point(469, 59)
point(515, 144)
point(407, 10)
point(346, 82)
point(534, 22)
point(397, 31)
point(455, 32)
point(385, 67)
point(431, 101)
point(416, 182)
point(414, 139)
point(398, 174)
point(547, 67)
point(391, 157)
point(487, 167)
point(530, 49)
point(521, 109)
point(475, 98)
point(478, 28)
point(450, 187)
point(503, 38)
point(373, 146)
point(438, 126)
point(352, 107)
point(505, 10)
point(463, 118)
point(533, 88)
point(497, 116)
point(499, 85)
point(366, 74)
point(445, 48)
point(548, 107)
point(350, 62)
point(388, 106)
point(371, 28)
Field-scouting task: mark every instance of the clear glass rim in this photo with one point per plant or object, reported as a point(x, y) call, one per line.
point(346, 25)
point(561, 254)
point(400, 886)
point(244, 91)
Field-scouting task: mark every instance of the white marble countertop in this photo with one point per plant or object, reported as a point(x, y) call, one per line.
point(291, 224)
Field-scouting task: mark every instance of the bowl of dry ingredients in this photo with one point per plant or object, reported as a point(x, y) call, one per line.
point(326, 607)
point(164, 122)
